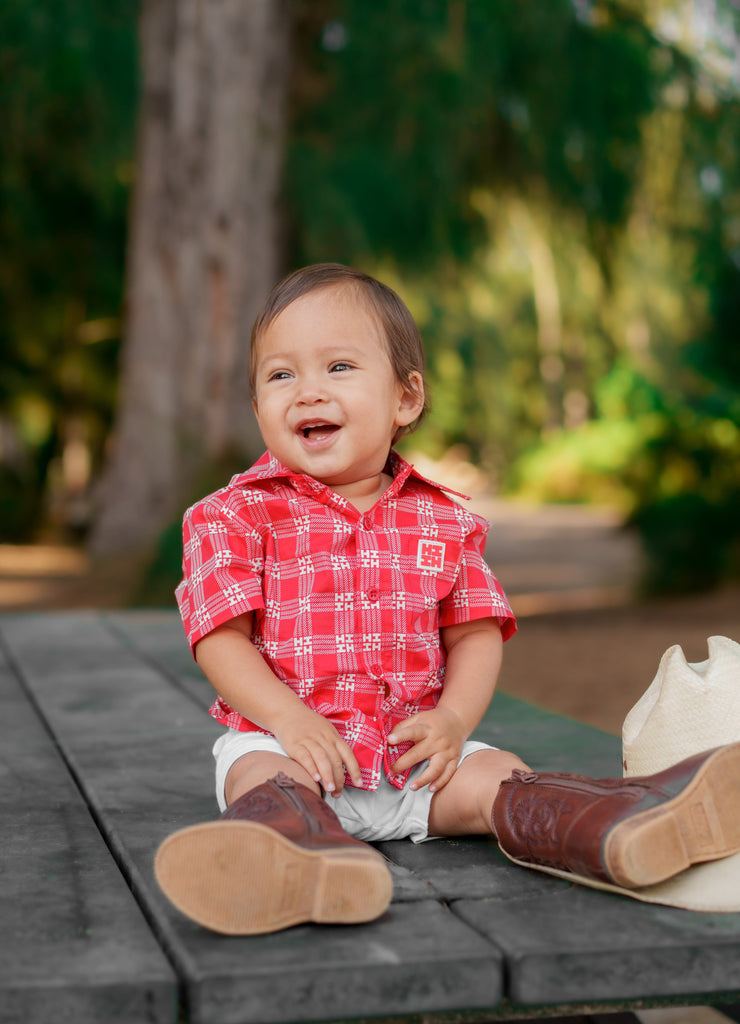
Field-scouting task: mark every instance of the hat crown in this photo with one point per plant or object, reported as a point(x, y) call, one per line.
point(688, 708)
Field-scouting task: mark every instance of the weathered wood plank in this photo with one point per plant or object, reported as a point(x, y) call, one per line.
point(139, 739)
point(579, 944)
point(159, 637)
point(417, 959)
point(549, 742)
point(467, 868)
point(141, 749)
point(74, 945)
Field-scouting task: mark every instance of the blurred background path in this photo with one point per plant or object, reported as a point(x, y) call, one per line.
point(588, 646)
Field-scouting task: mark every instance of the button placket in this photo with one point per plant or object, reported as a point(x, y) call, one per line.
point(368, 607)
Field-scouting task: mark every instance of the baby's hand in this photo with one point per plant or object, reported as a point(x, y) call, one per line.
point(438, 735)
point(312, 741)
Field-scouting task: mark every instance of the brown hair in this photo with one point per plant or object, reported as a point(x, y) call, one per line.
point(405, 348)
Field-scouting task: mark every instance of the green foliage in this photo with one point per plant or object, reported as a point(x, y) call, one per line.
point(687, 500)
point(419, 102)
point(446, 140)
point(68, 95)
point(691, 541)
point(584, 465)
point(163, 571)
point(672, 468)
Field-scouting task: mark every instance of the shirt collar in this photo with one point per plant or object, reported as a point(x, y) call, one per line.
point(401, 470)
point(267, 467)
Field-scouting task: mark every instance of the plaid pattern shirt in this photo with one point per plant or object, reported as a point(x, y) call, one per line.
point(347, 605)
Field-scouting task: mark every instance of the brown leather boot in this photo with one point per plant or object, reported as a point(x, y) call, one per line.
point(276, 857)
point(629, 832)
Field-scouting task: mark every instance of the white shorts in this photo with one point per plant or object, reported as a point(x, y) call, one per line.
point(371, 815)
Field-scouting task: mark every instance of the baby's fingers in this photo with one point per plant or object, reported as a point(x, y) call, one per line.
point(412, 757)
point(436, 775)
point(304, 757)
point(331, 761)
point(351, 764)
point(329, 769)
point(312, 756)
point(409, 731)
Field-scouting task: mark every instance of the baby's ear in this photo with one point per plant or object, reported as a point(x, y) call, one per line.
point(412, 399)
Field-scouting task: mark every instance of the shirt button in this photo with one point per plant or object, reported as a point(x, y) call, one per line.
point(372, 595)
point(377, 671)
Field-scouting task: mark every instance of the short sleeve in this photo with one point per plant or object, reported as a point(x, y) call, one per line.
point(477, 594)
point(223, 560)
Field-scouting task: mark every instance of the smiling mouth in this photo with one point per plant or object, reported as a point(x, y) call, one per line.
point(316, 431)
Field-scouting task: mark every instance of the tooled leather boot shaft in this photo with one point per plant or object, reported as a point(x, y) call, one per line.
point(560, 820)
point(293, 810)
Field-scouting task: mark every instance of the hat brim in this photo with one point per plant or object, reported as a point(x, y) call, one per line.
point(712, 887)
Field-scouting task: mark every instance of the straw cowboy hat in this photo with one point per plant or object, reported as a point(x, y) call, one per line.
point(686, 710)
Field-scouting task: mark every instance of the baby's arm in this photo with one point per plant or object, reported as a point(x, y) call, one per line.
point(240, 675)
point(474, 651)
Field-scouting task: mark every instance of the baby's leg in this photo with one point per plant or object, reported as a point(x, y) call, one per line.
point(464, 805)
point(257, 767)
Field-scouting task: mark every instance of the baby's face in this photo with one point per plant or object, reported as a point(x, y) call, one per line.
point(326, 397)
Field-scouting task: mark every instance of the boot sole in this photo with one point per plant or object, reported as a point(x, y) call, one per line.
point(243, 878)
point(701, 823)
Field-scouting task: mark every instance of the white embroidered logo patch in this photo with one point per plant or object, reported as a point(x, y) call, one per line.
point(430, 555)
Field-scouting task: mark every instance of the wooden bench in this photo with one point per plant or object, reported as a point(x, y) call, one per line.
point(106, 749)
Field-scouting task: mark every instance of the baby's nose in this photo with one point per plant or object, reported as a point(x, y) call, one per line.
point(310, 393)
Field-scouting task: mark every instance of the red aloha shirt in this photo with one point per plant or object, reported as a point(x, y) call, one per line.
point(347, 605)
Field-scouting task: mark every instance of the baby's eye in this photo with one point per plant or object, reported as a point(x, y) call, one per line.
point(279, 375)
point(340, 366)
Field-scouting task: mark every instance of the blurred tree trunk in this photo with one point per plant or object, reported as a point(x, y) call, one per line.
point(204, 250)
